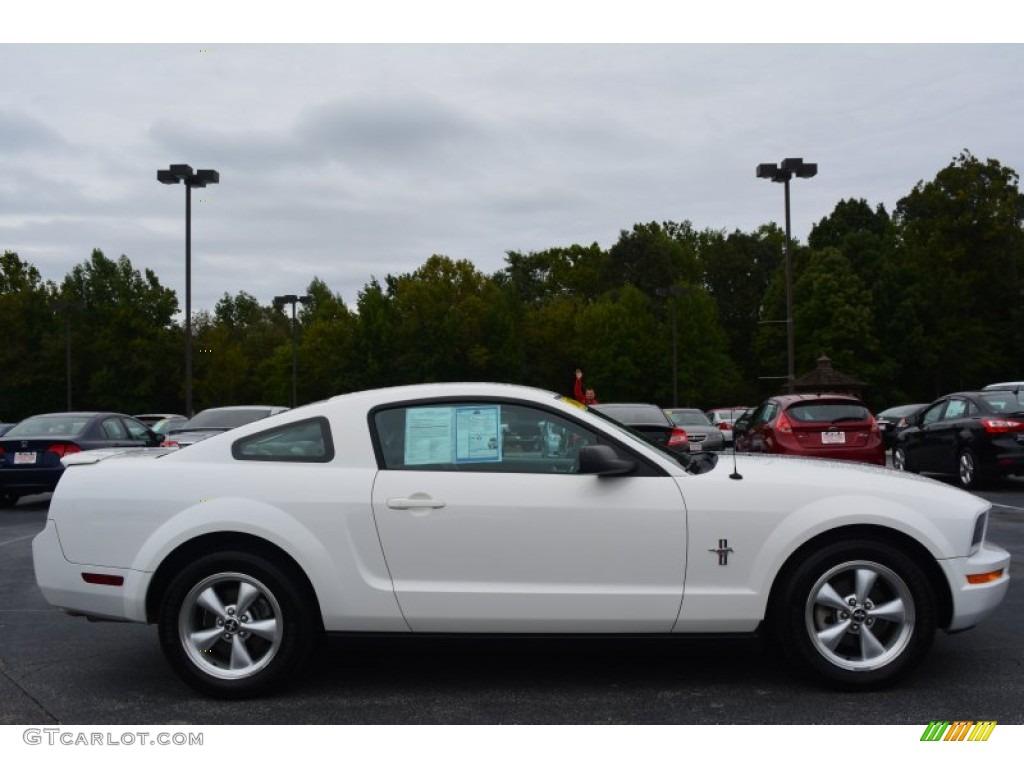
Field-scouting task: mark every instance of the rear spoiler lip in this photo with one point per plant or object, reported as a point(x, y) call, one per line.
point(101, 454)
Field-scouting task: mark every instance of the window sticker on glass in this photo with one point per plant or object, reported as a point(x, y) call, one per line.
point(478, 433)
point(429, 436)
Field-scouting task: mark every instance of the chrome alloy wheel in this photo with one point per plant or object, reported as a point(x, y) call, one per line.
point(229, 625)
point(899, 459)
point(966, 469)
point(860, 615)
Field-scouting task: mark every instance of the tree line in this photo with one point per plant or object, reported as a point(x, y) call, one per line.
point(917, 302)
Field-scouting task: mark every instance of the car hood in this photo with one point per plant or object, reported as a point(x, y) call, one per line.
point(814, 477)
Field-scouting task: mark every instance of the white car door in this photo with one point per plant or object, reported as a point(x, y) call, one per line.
point(487, 527)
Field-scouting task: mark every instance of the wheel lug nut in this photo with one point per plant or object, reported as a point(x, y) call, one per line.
point(227, 635)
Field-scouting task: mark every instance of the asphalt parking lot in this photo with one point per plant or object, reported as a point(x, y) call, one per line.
point(55, 669)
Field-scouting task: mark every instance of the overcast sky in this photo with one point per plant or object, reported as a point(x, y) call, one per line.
point(349, 161)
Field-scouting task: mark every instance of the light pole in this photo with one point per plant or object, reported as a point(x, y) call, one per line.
point(174, 175)
point(671, 293)
point(783, 172)
point(66, 307)
point(280, 301)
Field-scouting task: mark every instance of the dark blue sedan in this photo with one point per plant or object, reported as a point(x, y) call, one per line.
point(31, 451)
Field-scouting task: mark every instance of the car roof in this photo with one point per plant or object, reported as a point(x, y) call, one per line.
point(239, 408)
point(803, 397)
point(86, 414)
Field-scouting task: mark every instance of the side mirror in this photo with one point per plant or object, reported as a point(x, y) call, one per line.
point(602, 460)
point(154, 439)
point(741, 427)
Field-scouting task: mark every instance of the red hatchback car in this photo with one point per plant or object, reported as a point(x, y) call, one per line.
point(821, 426)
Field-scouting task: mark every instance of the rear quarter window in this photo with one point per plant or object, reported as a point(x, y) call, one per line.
point(301, 441)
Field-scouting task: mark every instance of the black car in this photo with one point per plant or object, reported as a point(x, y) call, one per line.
point(975, 436)
point(894, 420)
point(650, 421)
point(31, 451)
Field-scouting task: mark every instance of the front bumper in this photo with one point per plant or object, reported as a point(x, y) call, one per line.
point(973, 602)
point(63, 585)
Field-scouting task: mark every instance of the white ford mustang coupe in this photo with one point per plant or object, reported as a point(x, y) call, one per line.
point(489, 508)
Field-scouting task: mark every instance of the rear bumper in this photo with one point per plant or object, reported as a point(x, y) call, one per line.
point(973, 602)
point(63, 585)
point(27, 480)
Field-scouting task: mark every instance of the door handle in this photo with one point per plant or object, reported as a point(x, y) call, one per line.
point(416, 501)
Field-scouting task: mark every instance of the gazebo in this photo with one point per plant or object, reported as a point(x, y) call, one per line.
point(825, 378)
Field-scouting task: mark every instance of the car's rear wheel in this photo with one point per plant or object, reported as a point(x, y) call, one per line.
point(857, 615)
point(234, 624)
point(967, 469)
point(899, 459)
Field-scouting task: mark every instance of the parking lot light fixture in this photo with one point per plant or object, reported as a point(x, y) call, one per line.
point(782, 173)
point(279, 302)
point(671, 292)
point(67, 307)
point(183, 174)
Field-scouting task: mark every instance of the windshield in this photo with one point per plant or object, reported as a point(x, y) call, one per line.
point(216, 418)
point(49, 426)
point(828, 411)
point(689, 418)
point(999, 401)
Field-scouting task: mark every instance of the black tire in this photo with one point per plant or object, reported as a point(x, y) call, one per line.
point(241, 610)
point(889, 626)
point(967, 471)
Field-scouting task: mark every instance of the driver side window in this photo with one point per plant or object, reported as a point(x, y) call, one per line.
point(478, 437)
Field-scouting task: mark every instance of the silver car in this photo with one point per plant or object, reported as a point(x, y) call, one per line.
point(704, 436)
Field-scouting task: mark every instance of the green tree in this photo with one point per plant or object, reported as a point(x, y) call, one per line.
point(835, 315)
point(326, 345)
point(961, 237)
point(32, 353)
point(737, 270)
point(652, 256)
point(125, 362)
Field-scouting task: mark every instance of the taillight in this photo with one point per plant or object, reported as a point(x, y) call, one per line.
point(722, 425)
point(874, 423)
point(1002, 425)
point(678, 437)
point(783, 424)
point(170, 444)
point(63, 449)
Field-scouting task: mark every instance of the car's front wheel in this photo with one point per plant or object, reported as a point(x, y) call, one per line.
point(857, 615)
point(234, 624)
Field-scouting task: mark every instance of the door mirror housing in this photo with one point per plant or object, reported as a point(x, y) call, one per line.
point(602, 460)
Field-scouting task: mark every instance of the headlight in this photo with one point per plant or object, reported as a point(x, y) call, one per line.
point(979, 532)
